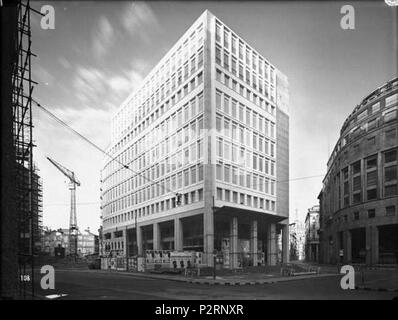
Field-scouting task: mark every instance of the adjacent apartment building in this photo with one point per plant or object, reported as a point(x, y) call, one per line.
point(312, 234)
point(359, 198)
point(198, 150)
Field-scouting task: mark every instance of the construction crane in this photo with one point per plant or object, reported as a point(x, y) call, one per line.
point(73, 230)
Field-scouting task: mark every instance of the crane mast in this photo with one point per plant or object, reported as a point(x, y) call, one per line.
point(73, 229)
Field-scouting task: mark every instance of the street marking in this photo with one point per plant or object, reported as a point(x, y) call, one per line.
point(55, 296)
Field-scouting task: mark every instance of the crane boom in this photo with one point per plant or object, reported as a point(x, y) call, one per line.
point(68, 173)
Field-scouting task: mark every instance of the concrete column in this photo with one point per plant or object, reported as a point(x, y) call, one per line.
point(285, 243)
point(369, 245)
point(156, 237)
point(347, 246)
point(139, 240)
point(271, 246)
point(234, 242)
point(208, 237)
point(178, 235)
point(125, 243)
point(375, 245)
point(253, 241)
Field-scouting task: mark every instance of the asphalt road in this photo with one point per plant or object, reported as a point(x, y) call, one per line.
point(91, 284)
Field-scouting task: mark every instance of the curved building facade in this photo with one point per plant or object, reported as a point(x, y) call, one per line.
point(359, 198)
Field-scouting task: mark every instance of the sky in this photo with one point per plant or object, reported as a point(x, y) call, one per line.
point(99, 52)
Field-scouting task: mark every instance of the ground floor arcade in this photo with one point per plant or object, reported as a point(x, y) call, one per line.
point(237, 238)
point(372, 244)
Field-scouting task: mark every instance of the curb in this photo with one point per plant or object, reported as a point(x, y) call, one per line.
point(375, 289)
point(258, 282)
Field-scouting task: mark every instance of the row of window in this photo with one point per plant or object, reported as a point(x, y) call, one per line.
point(167, 127)
point(185, 90)
point(243, 157)
point(242, 52)
point(360, 181)
point(164, 205)
point(231, 130)
point(387, 115)
point(257, 83)
point(389, 211)
point(246, 93)
point(160, 76)
point(244, 114)
point(243, 178)
point(179, 147)
point(188, 156)
point(181, 179)
point(245, 199)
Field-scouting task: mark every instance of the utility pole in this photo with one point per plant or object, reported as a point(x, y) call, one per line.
point(127, 249)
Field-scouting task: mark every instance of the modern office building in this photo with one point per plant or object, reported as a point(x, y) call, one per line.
point(205, 139)
point(312, 234)
point(359, 198)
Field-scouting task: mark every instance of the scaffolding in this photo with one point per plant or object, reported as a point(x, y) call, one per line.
point(26, 197)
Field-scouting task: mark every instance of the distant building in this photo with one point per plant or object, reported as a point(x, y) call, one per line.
point(312, 234)
point(359, 198)
point(53, 239)
point(296, 240)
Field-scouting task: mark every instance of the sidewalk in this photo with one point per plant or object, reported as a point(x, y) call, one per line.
point(377, 278)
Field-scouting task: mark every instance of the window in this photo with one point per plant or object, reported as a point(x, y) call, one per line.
point(219, 171)
point(371, 162)
point(371, 178)
point(390, 173)
point(226, 39)
point(391, 100)
point(356, 215)
point(219, 75)
point(200, 59)
point(390, 190)
point(372, 124)
point(371, 141)
point(356, 198)
point(218, 100)
point(219, 194)
point(391, 115)
point(375, 107)
point(371, 213)
point(356, 168)
point(200, 172)
point(226, 61)
point(226, 104)
point(218, 33)
point(362, 115)
point(390, 211)
point(391, 134)
point(218, 55)
point(372, 194)
point(390, 156)
point(227, 175)
point(218, 123)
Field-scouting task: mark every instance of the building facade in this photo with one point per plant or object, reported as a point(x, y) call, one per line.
point(297, 240)
point(359, 198)
point(312, 234)
point(53, 240)
point(205, 139)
